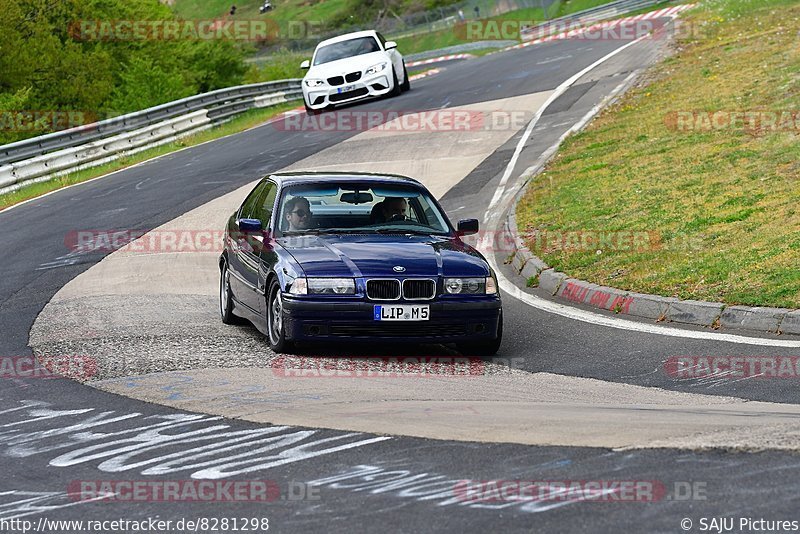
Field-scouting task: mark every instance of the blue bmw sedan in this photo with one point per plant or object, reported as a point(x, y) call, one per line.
point(322, 257)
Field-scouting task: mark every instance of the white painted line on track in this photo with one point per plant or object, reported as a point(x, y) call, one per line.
point(560, 90)
point(623, 324)
point(577, 314)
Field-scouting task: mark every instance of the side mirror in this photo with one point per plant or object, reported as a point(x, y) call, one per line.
point(250, 225)
point(389, 45)
point(252, 237)
point(306, 64)
point(467, 226)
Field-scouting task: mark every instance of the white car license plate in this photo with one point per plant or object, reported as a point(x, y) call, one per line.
point(402, 312)
point(346, 88)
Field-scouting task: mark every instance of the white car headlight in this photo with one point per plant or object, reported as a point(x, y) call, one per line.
point(323, 286)
point(470, 286)
point(299, 287)
point(313, 82)
point(375, 69)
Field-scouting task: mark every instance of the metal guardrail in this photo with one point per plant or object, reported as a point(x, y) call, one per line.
point(587, 16)
point(212, 101)
point(44, 157)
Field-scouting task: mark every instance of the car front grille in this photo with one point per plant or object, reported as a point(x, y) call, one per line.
point(419, 289)
point(353, 77)
point(338, 97)
point(336, 80)
point(420, 329)
point(383, 289)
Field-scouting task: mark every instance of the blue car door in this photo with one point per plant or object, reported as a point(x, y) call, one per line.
point(242, 286)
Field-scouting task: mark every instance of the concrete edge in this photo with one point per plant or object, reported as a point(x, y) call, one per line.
point(535, 272)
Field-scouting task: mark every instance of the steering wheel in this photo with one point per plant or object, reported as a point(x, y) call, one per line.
point(398, 217)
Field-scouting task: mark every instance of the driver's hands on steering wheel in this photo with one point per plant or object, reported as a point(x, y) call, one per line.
point(398, 217)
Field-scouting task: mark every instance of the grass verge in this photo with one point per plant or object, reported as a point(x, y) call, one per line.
point(244, 121)
point(717, 202)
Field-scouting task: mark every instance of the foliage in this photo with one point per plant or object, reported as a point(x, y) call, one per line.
point(45, 64)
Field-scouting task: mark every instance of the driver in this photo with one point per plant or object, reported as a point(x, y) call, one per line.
point(395, 208)
point(298, 213)
point(367, 46)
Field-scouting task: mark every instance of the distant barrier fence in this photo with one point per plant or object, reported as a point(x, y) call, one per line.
point(44, 157)
point(587, 16)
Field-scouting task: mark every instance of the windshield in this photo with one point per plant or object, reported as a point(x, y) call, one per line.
point(360, 208)
point(343, 49)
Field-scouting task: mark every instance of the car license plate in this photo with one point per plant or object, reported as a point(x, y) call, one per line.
point(346, 88)
point(402, 312)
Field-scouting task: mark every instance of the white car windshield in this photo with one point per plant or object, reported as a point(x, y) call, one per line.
point(360, 208)
point(343, 49)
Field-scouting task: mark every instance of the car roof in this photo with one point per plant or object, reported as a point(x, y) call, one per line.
point(347, 36)
point(306, 177)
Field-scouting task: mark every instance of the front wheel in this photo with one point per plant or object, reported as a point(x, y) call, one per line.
point(310, 111)
point(275, 324)
point(406, 82)
point(396, 90)
point(484, 348)
point(225, 297)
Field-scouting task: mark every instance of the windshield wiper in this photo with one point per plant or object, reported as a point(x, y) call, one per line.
point(402, 231)
point(323, 231)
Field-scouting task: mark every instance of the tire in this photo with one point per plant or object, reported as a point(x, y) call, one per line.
point(406, 86)
point(275, 324)
point(310, 111)
point(396, 90)
point(484, 348)
point(225, 297)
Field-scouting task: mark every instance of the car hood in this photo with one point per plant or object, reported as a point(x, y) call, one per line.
point(340, 67)
point(378, 255)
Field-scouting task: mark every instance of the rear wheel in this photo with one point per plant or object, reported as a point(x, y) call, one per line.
point(484, 348)
point(275, 323)
point(406, 82)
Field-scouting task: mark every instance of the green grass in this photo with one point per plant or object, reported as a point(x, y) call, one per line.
point(284, 10)
point(282, 66)
point(720, 206)
point(244, 121)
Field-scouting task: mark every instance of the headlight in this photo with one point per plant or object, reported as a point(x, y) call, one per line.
point(470, 286)
point(375, 69)
point(323, 286)
point(299, 287)
point(314, 83)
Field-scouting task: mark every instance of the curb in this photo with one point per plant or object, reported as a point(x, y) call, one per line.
point(456, 49)
point(421, 75)
point(695, 312)
point(439, 59)
point(532, 270)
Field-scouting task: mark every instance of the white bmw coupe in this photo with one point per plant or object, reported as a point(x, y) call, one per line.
point(352, 67)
